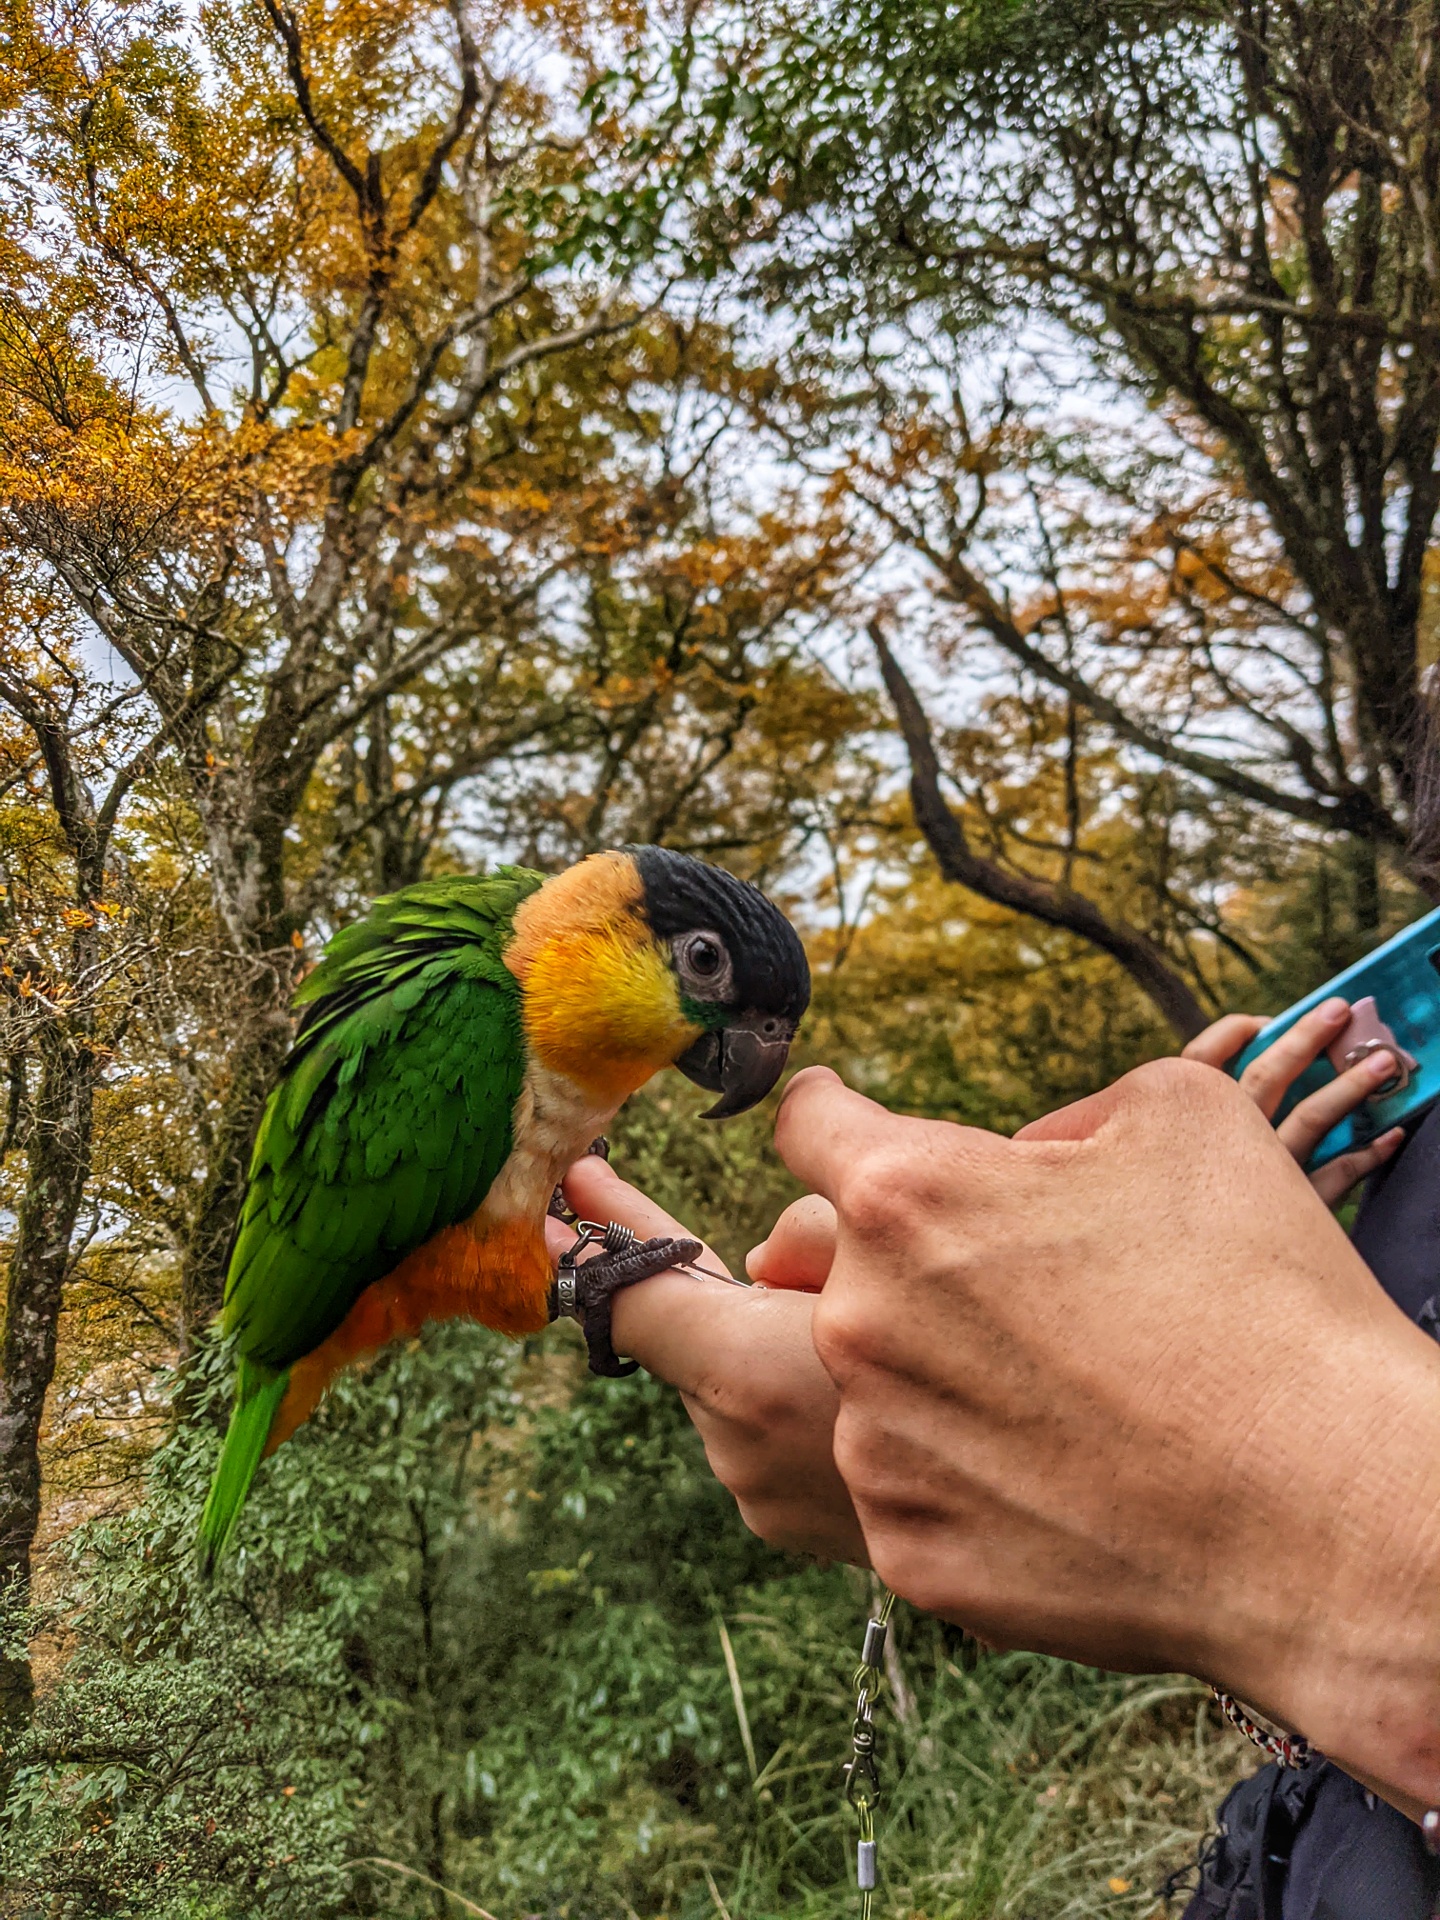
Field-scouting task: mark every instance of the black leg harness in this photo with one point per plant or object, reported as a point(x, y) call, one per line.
point(585, 1292)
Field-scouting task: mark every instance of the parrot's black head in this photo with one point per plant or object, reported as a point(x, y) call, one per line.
point(741, 970)
point(640, 958)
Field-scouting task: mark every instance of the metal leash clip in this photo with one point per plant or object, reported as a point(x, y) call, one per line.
point(862, 1775)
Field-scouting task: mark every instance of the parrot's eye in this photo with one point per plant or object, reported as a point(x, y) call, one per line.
point(703, 964)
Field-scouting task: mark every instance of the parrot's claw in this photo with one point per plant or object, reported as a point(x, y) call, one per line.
point(585, 1293)
point(559, 1207)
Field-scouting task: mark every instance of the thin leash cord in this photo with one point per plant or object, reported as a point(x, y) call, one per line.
point(862, 1775)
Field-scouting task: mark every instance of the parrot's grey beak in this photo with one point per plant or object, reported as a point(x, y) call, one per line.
point(741, 1063)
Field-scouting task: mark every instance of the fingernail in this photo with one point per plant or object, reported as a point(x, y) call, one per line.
point(1333, 1009)
point(1381, 1065)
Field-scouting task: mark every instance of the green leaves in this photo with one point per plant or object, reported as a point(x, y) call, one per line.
point(471, 1626)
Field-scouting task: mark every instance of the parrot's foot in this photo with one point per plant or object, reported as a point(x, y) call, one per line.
point(586, 1293)
point(559, 1208)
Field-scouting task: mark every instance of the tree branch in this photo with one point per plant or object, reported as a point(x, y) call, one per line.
point(1348, 809)
point(358, 182)
point(1056, 906)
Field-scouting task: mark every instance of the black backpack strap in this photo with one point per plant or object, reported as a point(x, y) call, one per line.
point(1226, 1883)
point(1355, 1858)
point(1309, 1843)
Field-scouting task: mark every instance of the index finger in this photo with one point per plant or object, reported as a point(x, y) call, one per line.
point(683, 1329)
point(1223, 1038)
point(596, 1192)
point(1269, 1077)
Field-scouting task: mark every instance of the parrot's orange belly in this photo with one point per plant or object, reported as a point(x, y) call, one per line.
point(493, 1271)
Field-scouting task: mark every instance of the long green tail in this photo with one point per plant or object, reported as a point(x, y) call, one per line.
point(257, 1396)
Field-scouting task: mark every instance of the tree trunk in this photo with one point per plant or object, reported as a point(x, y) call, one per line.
point(261, 1041)
point(246, 815)
point(59, 1164)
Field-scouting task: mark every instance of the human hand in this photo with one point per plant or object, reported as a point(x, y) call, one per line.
point(1119, 1389)
point(800, 1248)
point(1269, 1078)
point(745, 1364)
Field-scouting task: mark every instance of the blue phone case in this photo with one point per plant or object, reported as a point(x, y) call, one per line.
point(1404, 978)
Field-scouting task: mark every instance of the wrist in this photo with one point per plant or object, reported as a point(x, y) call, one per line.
point(1332, 1625)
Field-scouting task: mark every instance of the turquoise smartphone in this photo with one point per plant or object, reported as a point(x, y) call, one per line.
point(1394, 995)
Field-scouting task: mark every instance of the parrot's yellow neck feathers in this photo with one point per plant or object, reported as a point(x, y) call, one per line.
point(600, 1002)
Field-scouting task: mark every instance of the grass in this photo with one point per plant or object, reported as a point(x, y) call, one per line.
point(1018, 1789)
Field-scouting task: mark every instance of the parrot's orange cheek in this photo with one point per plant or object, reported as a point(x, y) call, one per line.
point(601, 1004)
point(604, 1011)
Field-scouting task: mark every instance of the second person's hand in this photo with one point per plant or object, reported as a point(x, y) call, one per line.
point(1270, 1076)
point(801, 1247)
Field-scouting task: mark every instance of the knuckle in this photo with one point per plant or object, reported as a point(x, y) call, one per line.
point(1186, 1096)
point(847, 1334)
point(873, 1211)
point(761, 1517)
point(779, 1522)
point(746, 1470)
point(745, 1478)
point(880, 1192)
point(1175, 1077)
point(905, 1558)
point(1261, 1075)
point(918, 1583)
point(878, 1213)
point(856, 1456)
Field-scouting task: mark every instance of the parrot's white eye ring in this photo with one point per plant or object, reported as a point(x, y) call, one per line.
point(703, 964)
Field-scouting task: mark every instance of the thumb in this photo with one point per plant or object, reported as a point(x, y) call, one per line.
point(823, 1127)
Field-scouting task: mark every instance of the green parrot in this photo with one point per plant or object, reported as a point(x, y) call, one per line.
point(460, 1047)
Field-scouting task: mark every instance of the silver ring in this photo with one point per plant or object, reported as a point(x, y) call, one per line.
point(1398, 1081)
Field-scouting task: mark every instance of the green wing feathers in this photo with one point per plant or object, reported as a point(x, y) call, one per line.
point(391, 1119)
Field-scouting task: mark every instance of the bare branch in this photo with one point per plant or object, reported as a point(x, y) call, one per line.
point(1344, 807)
point(356, 178)
point(469, 99)
point(1056, 906)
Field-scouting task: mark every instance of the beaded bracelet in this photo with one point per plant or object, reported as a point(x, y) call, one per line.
point(1287, 1749)
point(1294, 1750)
